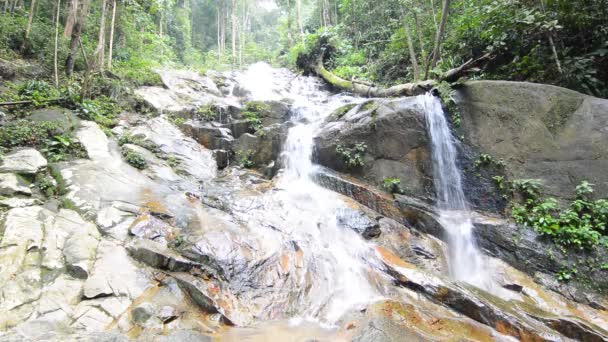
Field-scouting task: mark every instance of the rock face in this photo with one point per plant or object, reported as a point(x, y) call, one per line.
point(395, 135)
point(540, 131)
point(27, 161)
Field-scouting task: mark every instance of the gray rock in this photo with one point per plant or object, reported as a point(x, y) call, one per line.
point(359, 222)
point(26, 161)
point(142, 313)
point(549, 133)
point(66, 119)
point(11, 184)
point(397, 146)
point(183, 336)
point(222, 158)
point(215, 138)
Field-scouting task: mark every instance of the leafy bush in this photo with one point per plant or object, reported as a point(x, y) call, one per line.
point(61, 147)
point(207, 112)
point(37, 91)
point(27, 133)
point(352, 156)
point(134, 159)
point(252, 114)
point(103, 110)
point(243, 158)
point(47, 185)
point(581, 225)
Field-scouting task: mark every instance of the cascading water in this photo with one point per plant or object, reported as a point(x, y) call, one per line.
point(465, 260)
point(336, 257)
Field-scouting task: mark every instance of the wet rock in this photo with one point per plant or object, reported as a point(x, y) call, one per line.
point(212, 298)
point(161, 257)
point(523, 322)
point(26, 161)
point(214, 138)
point(359, 222)
point(80, 246)
point(394, 132)
point(149, 227)
point(114, 274)
point(364, 194)
point(193, 159)
point(183, 336)
point(11, 184)
point(564, 142)
point(273, 112)
point(94, 140)
point(222, 158)
point(20, 253)
point(247, 142)
point(168, 314)
point(142, 313)
point(238, 127)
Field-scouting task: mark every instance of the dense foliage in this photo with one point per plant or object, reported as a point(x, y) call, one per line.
point(562, 42)
point(583, 224)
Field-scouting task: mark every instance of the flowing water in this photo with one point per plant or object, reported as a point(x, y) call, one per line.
point(338, 258)
point(465, 260)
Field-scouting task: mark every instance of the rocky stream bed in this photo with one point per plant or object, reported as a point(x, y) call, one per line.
point(196, 248)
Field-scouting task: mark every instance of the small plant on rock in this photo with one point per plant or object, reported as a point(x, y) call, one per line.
point(486, 160)
point(207, 112)
point(243, 158)
point(134, 159)
point(252, 114)
point(393, 185)
point(352, 156)
point(61, 147)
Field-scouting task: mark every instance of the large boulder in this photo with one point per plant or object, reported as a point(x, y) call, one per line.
point(540, 131)
point(27, 161)
point(394, 132)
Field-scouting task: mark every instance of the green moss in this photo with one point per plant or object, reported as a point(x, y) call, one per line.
point(340, 112)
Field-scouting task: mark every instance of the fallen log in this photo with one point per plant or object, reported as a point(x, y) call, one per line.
point(406, 89)
point(25, 102)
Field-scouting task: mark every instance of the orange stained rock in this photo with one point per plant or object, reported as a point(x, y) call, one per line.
point(284, 263)
point(391, 259)
point(444, 328)
point(506, 328)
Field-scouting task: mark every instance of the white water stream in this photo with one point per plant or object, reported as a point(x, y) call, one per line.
point(465, 260)
point(338, 257)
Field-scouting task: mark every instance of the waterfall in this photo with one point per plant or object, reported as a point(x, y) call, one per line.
point(336, 258)
point(464, 259)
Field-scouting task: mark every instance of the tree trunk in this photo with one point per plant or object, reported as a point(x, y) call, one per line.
point(407, 89)
point(75, 37)
point(299, 18)
point(101, 41)
point(439, 36)
point(410, 46)
point(326, 13)
point(552, 43)
point(56, 44)
point(112, 35)
point(233, 19)
point(28, 26)
point(71, 18)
